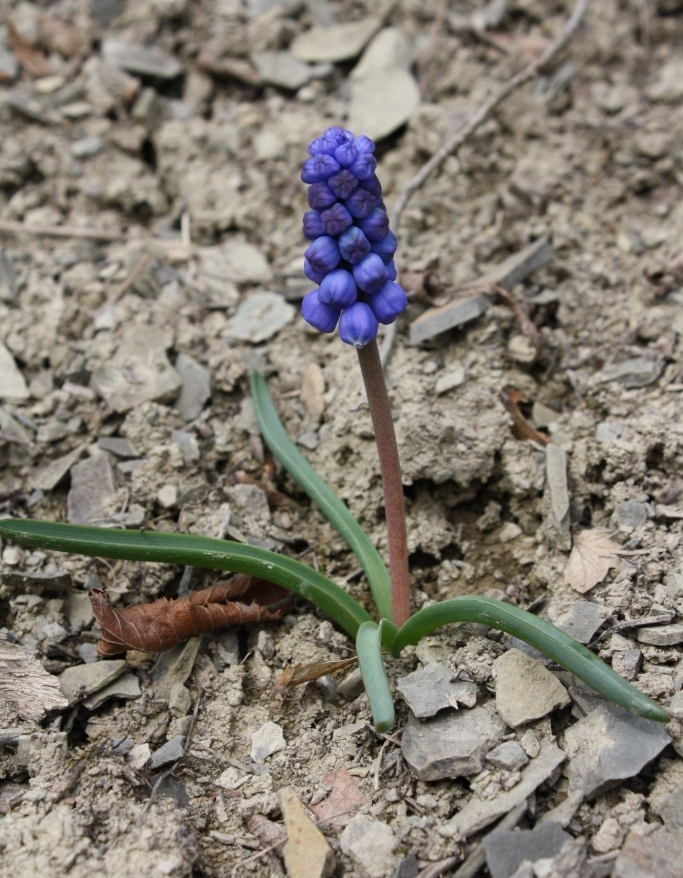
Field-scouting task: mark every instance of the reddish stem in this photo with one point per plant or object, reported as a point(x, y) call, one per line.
point(390, 468)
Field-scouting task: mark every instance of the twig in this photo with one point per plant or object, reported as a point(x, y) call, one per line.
point(8, 227)
point(123, 288)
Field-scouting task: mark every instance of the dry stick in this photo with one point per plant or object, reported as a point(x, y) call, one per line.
point(12, 228)
point(390, 468)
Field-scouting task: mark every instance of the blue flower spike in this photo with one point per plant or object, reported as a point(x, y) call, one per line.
point(351, 255)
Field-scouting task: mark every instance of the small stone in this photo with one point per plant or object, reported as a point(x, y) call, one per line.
point(13, 431)
point(80, 681)
point(525, 690)
point(649, 852)
point(126, 686)
point(505, 850)
point(582, 621)
point(543, 415)
point(351, 686)
point(174, 666)
point(437, 320)
point(429, 690)
point(180, 700)
point(168, 496)
point(306, 854)
point(86, 147)
point(509, 531)
point(241, 262)
point(371, 845)
point(78, 610)
point(259, 317)
point(626, 662)
point(266, 741)
point(452, 745)
point(92, 484)
point(408, 867)
point(606, 432)
point(340, 42)
point(138, 756)
point(522, 350)
point(509, 755)
point(631, 513)
point(348, 731)
point(609, 745)
point(196, 387)
point(558, 492)
point(118, 446)
point(171, 751)
point(87, 652)
point(530, 744)
point(139, 59)
point(449, 380)
point(13, 384)
point(661, 635)
point(187, 444)
point(636, 372)
point(281, 69)
point(668, 87)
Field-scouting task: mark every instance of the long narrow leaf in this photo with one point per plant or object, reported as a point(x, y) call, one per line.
point(322, 495)
point(542, 636)
point(369, 649)
point(195, 551)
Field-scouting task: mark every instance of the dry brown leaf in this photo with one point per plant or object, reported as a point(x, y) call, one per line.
point(296, 675)
point(26, 685)
point(520, 427)
point(313, 392)
point(32, 60)
point(59, 36)
point(345, 796)
point(591, 558)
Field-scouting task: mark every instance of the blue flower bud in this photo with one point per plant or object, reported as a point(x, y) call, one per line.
point(317, 146)
point(391, 270)
point(338, 289)
point(318, 168)
point(370, 273)
point(388, 302)
point(375, 225)
point(313, 227)
point(364, 166)
point(364, 145)
point(360, 203)
point(312, 274)
point(323, 254)
point(353, 245)
point(335, 220)
point(373, 185)
point(320, 196)
point(342, 184)
point(386, 247)
point(358, 325)
point(346, 154)
point(321, 316)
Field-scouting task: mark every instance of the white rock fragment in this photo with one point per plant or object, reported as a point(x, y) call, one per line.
point(339, 42)
point(371, 845)
point(259, 317)
point(525, 690)
point(12, 382)
point(267, 740)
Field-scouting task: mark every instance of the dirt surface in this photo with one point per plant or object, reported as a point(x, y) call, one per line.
point(199, 173)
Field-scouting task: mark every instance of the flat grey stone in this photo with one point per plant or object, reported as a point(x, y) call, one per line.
point(139, 59)
point(557, 491)
point(86, 147)
point(650, 852)
point(371, 845)
point(525, 690)
point(48, 477)
point(13, 384)
point(173, 666)
point(636, 372)
point(187, 444)
point(13, 431)
point(171, 751)
point(449, 380)
point(632, 513)
point(138, 372)
point(118, 446)
point(259, 317)
point(582, 621)
point(519, 266)
point(429, 690)
point(452, 745)
point(438, 320)
point(607, 432)
point(671, 811)
point(609, 745)
point(80, 681)
point(87, 652)
point(480, 813)
point(505, 850)
point(384, 93)
point(336, 43)
point(92, 484)
point(661, 635)
point(127, 686)
point(196, 387)
point(509, 755)
point(239, 261)
point(267, 740)
point(281, 69)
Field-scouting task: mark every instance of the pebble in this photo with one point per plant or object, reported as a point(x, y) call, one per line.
point(118, 446)
point(171, 751)
point(138, 756)
point(371, 845)
point(525, 690)
point(635, 372)
point(259, 317)
point(86, 147)
point(348, 731)
point(13, 431)
point(609, 745)
point(187, 444)
point(13, 384)
point(582, 621)
point(180, 700)
point(173, 666)
point(80, 681)
point(509, 531)
point(139, 59)
point(437, 320)
point(281, 69)
point(92, 484)
point(509, 755)
point(339, 42)
point(558, 492)
point(631, 513)
point(505, 849)
point(267, 740)
point(649, 851)
point(167, 496)
point(607, 432)
point(126, 686)
point(662, 635)
point(241, 262)
point(453, 745)
point(429, 690)
point(351, 686)
point(307, 854)
point(384, 93)
point(449, 380)
point(196, 387)
point(87, 652)
point(479, 813)
point(668, 88)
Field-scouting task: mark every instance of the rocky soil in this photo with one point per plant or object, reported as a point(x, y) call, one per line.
point(169, 135)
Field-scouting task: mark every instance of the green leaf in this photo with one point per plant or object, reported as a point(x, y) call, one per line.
point(542, 636)
point(369, 649)
point(195, 551)
point(322, 495)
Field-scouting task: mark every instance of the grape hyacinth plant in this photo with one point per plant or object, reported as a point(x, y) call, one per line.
point(351, 259)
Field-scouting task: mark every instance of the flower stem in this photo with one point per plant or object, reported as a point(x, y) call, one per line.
point(390, 468)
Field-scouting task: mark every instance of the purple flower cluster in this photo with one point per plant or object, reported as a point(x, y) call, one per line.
point(351, 255)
